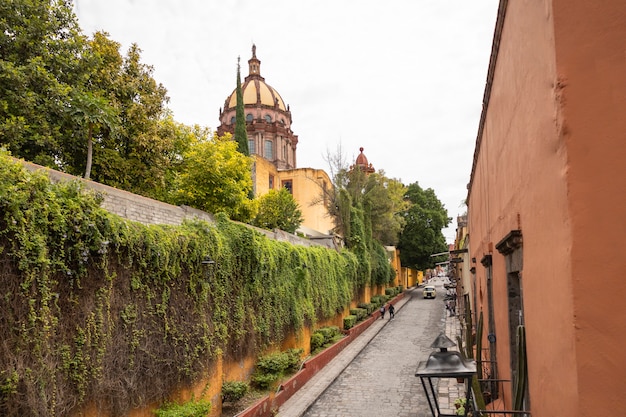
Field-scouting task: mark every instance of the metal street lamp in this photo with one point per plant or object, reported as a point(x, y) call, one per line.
point(445, 364)
point(210, 264)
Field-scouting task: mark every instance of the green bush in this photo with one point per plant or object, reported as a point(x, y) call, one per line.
point(369, 307)
point(233, 391)
point(274, 363)
point(264, 381)
point(317, 341)
point(335, 332)
point(325, 336)
point(360, 313)
point(391, 292)
point(349, 322)
point(191, 408)
point(294, 359)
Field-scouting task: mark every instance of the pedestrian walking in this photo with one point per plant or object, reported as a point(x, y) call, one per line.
point(382, 312)
point(392, 311)
point(453, 307)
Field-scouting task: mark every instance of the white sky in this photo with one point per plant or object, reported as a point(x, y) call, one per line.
point(404, 79)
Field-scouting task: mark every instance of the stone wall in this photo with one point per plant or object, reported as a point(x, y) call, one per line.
point(148, 211)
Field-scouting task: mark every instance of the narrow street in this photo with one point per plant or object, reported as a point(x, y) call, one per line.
point(380, 381)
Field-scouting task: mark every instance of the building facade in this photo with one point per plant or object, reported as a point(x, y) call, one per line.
point(273, 145)
point(546, 204)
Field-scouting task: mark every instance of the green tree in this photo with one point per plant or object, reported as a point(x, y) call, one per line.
point(278, 210)
point(384, 200)
point(41, 46)
point(92, 114)
point(136, 157)
point(215, 177)
point(422, 236)
point(241, 135)
point(368, 211)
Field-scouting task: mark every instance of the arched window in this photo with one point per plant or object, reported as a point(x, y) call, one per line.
point(249, 117)
point(268, 118)
point(232, 120)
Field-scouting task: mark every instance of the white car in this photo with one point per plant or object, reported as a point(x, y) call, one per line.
point(429, 291)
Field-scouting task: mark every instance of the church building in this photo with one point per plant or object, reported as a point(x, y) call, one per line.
point(273, 145)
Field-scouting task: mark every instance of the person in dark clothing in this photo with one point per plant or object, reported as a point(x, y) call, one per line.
point(392, 311)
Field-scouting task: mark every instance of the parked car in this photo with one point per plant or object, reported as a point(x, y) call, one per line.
point(429, 291)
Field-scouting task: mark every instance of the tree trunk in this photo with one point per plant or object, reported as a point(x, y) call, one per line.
point(89, 153)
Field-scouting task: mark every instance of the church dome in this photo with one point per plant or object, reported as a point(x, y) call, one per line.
point(362, 163)
point(268, 119)
point(255, 90)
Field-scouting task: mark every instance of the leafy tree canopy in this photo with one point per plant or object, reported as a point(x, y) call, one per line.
point(422, 236)
point(76, 104)
point(40, 49)
point(278, 210)
point(215, 177)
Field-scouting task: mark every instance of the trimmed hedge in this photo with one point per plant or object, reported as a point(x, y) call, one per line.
point(349, 322)
point(360, 313)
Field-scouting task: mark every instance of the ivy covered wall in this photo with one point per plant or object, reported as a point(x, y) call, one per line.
point(97, 309)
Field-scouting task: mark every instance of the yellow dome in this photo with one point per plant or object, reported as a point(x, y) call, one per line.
point(256, 91)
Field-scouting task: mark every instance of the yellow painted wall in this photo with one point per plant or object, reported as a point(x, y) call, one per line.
point(307, 185)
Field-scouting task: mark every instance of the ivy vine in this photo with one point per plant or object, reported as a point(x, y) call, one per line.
point(98, 309)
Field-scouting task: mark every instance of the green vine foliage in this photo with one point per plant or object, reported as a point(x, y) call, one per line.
point(97, 309)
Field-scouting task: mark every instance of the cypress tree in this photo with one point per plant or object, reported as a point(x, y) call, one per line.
point(240, 121)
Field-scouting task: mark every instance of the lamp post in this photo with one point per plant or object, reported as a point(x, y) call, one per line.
point(445, 364)
point(209, 263)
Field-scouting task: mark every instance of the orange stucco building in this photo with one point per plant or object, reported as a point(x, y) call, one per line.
point(546, 202)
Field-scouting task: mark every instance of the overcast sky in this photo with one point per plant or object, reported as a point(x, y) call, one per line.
point(404, 79)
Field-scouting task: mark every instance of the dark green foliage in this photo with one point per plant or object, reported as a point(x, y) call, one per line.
point(324, 336)
point(271, 368)
point(317, 341)
point(422, 236)
point(360, 313)
point(200, 408)
point(378, 300)
point(76, 104)
point(233, 391)
point(264, 381)
point(392, 292)
point(369, 307)
point(294, 358)
point(349, 322)
point(40, 53)
point(382, 272)
point(241, 134)
point(92, 302)
point(273, 363)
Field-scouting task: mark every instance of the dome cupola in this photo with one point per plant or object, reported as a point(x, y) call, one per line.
point(362, 163)
point(268, 119)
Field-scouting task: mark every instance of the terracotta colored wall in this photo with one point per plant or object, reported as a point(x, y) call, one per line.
point(591, 61)
point(519, 183)
point(550, 163)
